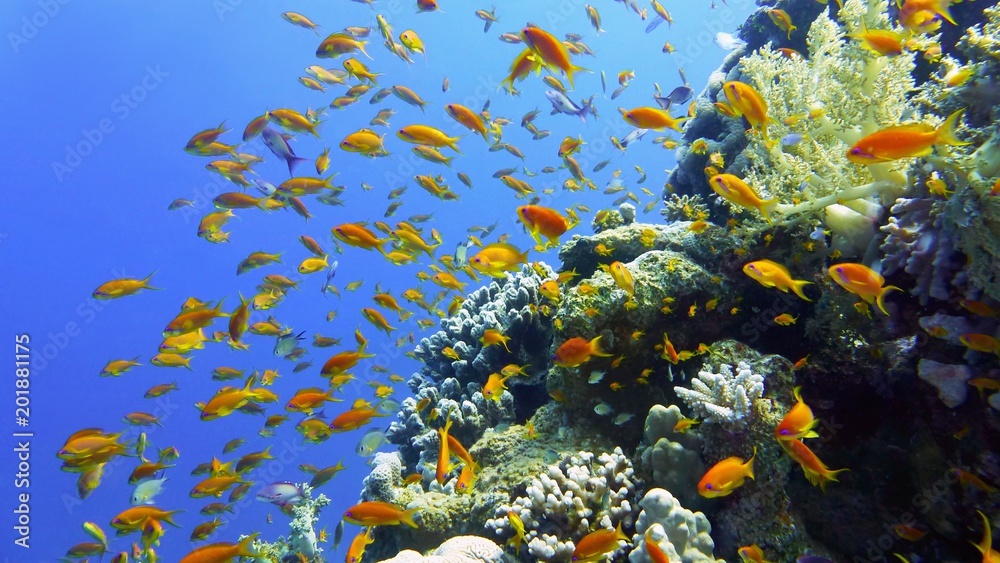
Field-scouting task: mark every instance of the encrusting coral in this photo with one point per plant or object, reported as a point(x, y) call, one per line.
point(682, 535)
point(459, 549)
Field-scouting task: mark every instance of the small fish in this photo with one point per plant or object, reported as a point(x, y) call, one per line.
point(577, 351)
point(623, 418)
point(146, 491)
point(863, 282)
point(603, 409)
point(280, 493)
point(287, 342)
point(726, 476)
point(370, 442)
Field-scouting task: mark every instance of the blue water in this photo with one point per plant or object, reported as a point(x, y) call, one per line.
point(100, 99)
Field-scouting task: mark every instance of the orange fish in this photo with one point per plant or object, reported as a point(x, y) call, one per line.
point(190, 321)
point(652, 118)
point(863, 282)
point(542, 221)
point(799, 422)
point(744, 100)
point(358, 545)
point(771, 274)
point(550, 50)
point(577, 351)
point(493, 337)
point(735, 190)
point(905, 141)
point(751, 554)
point(343, 361)
point(980, 342)
point(354, 418)
point(444, 453)
point(595, 545)
point(374, 513)
point(494, 386)
point(815, 470)
point(656, 553)
point(465, 116)
point(359, 236)
point(222, 551)
point(726, 476)
point(122, 287)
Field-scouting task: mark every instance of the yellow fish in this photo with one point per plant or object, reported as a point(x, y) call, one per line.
point(772, 274)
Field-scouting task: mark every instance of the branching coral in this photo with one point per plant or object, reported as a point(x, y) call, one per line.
point(457, 364)
point(302, 538)
point(565, 502)
point(724, 397)
point(833, 97)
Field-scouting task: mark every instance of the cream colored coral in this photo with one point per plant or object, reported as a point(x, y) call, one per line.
point(851, 92)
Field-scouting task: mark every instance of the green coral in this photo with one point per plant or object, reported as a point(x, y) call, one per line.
point(851, 92)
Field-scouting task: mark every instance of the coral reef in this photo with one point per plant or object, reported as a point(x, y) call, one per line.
point(570, 499)
point(510, 306)
point(918, 243)
point(681, 534)
point(302, 538)
point(459, 549)
point(673, 458)
point(723, 397)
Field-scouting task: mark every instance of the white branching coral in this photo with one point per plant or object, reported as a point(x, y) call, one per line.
point(834, 97)
point(723, 397)
point(566, 502)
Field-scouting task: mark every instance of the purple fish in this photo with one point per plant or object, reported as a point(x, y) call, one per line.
point(280, 493)
point(812, 559)
point(280, 147)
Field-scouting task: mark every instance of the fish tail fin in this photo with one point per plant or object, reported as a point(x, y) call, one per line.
point(619, 534)
point(595, 347)
point(407, 517)
point(879, 300)
point(169, 517)
point(987, 544)
point(452, 142)
point(945, 134)
point(145, 281)
point(827, 476)
point(749, 464)
point(797, 286)
point(571, 70)
point(293, 162)
point(940, 8)
point(766, 207)
point(361, 47)
point(245, 547)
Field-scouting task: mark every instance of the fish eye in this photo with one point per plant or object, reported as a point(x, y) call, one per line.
point(708, 486)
